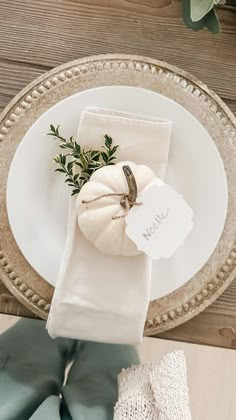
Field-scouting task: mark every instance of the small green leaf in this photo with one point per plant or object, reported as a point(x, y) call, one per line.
point(62, 158)
point(95, 154)
point(104, 156)
point(84, 175)
point(79, 164)
point(94, 167)
point(97, 157)
point(69, 146)
point(86, 158)
point(59, 170)
point(112, 151)
point(112, 158)
point(108, 141)
point(76, 191)
point(77, 148)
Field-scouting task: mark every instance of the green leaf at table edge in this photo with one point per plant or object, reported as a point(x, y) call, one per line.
point(199, 8)
point(210, 20)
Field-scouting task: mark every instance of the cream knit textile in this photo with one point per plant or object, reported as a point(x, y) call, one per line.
point(154, 391)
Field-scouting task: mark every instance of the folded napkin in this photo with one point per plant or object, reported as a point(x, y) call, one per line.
point(154, 391)
point(100, 297)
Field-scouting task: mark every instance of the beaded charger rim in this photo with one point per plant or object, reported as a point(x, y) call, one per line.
point(119, 69)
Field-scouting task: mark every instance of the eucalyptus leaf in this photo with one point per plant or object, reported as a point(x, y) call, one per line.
point(209, 21)
point(199, 8)
point(213, 22)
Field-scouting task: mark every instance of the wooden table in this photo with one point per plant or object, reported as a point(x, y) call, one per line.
point(38, 35)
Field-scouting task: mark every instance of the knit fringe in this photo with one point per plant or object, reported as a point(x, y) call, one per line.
point(154, 391)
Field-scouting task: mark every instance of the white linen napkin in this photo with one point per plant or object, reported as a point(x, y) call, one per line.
point(100, 297)
point(155, 391)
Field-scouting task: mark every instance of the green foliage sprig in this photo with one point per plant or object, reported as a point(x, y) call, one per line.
point(78, 164)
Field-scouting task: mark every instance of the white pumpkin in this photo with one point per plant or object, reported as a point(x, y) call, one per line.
point(104, 201)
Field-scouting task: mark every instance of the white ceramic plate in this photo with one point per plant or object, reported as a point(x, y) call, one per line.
point(37, 197)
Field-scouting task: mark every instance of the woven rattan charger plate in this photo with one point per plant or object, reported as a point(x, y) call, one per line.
point(194, 296)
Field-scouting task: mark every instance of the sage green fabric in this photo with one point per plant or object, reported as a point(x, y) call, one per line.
point(49, 409)
point(32, 367)
point(91, 391)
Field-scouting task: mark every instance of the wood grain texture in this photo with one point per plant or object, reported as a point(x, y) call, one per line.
point(36, 36)
point(231, 104)
point(14, 77)
point(10, 305)
point(49, 32)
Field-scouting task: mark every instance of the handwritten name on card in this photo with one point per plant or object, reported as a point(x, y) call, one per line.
point(158, 220)
point(161, 224)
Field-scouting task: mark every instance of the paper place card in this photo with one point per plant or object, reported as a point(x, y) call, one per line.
point(161, 223)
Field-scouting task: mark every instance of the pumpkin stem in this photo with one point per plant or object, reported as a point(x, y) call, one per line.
point(127, 200)
point(132, 185)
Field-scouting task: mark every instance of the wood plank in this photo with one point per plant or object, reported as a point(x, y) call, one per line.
point(215, 326)
point(10, 305)
point(207, 328)
point(231, 104)
point(226, 303)
point(49, 33)
point(14, 77)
